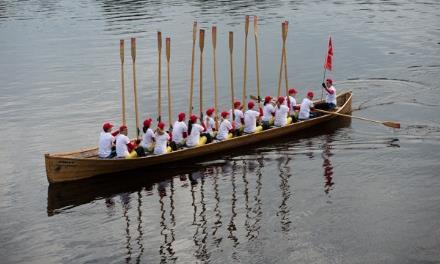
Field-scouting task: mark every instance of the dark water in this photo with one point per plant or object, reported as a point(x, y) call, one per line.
point(348, 193)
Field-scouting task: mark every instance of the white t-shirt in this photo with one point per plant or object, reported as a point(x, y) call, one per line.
point(178, 129)
point(292, 103)
point(121, 146)
point(210, 124)
point(304, 112)
point(147, 139)
point(105, 144)
point(268, 110)
point(223, 129)
point(238, 116)
point(194, 137)
point(161, 143)
point(331, 98)
point(281, 115)
point(250, 121)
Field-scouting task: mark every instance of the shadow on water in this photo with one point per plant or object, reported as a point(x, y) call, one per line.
point(64, 196)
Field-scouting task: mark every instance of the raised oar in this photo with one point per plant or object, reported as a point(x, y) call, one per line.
point(385, 123)
point(214, 46)
point(191, 87)
point(286, 27)
point(256, 58)
point(246, 31)
point(133, 57)
point(231, 49)
point(282, 59)
point(201, 45)
point(121, 53)
point(168, 51)
point(159, 76)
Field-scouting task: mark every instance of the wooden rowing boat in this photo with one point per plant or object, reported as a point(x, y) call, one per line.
point(71, 166)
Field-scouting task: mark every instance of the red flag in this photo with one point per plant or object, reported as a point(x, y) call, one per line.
point(329, 58)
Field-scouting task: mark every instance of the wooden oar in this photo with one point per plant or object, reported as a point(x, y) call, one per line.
point(256, 59)
point(191, 87)
point(246, 31)
point(201, 45)
point(385, 123)
point(133, 57)
point(121, 53)
point(214, 46)
point(282, 59)
point(231, 49)
point(168, 51)
point(159, 76)
point(286, 26)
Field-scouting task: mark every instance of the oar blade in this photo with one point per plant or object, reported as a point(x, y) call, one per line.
point(391, 124)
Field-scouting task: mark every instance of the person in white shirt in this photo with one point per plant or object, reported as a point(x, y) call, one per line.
point(292, 104)
point(161, 137)
point(250, 119)
point(330, 94)
point(281, 113)
point(306, 107)
point(226, 128)
point(179, 133)
point(106, 147)
point(148, 138)
point(210, 125)
point(268, 112)
point(194, 130)
point(238, 118)
point(123, 145)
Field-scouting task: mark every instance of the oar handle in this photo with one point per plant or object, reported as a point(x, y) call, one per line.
point(214, 37)
point(246, 25)
point(133, 49)
point(121, 50)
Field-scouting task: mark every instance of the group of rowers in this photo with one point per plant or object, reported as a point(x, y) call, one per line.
point(278, 113)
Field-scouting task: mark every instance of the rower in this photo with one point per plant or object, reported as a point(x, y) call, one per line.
point(306, 107)
point(161, 137)
point(281, 113)
point(268, 112)
point(194, 131)
point(239, 118)
point(292, 104)
point(107, 142)
point(124, 147)
point(250, 119)
point(226, 128)
point(179, 132)
point(148, 138)
point(330, 95)
point(210, 125)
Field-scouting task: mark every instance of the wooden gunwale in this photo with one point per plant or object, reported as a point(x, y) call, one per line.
point(62, 167)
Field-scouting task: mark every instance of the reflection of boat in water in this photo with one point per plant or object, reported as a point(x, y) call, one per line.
point(62, 167)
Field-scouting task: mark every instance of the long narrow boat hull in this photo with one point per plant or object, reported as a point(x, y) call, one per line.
point(63, 167)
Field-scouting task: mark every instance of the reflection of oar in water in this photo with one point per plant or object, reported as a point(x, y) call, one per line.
point(385, 123)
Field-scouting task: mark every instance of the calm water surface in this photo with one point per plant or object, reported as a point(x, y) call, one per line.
point(351, 192)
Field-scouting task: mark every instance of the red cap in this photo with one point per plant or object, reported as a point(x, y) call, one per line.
point(193, 118)
point(107, 126)
point(161, 125)
point(181, 116)
point(329, 81)
point(123, 127)
point(225, 114)
point(292, 91)
point(147, 122)
point(267, 99)
point(210, 111)
point(310, 94)
point(251, 104)
point(281, 99)
point(237, 104)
